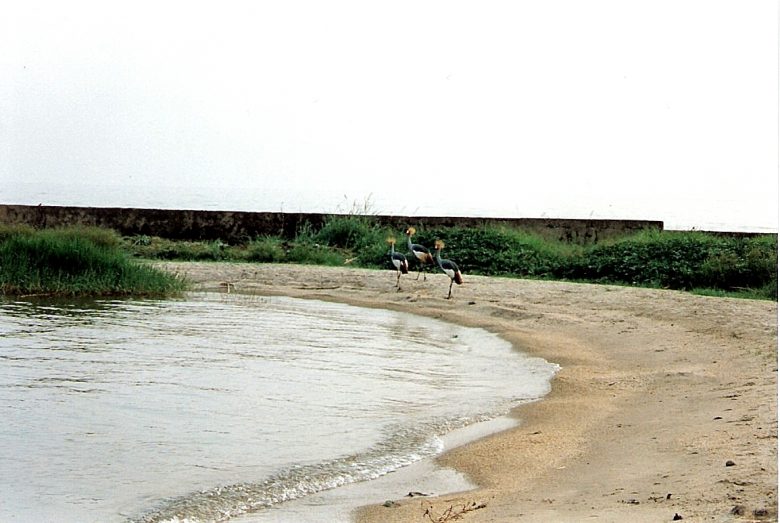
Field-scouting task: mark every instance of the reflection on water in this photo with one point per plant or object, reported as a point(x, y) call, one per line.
point(216, 405)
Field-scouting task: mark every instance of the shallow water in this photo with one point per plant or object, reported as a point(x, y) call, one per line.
point(218, 405)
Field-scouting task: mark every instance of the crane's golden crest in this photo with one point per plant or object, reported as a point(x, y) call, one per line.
point(390, 240)
point(411, 230)
point(438, 244)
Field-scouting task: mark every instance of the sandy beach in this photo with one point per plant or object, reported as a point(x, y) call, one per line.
point(665, 406)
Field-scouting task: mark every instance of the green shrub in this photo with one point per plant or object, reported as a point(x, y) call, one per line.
point(740, 263)
point(314, 254)
point(376, 255)
point(360, 237)
point(679, 260)
point(497, 251)
point(265, 250)
point(665, 260)
point(164, 249)
point(349, 232)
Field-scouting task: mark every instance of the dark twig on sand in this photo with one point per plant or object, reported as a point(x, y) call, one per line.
point(452, 513)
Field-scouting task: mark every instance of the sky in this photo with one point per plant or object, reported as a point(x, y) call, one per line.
point(527, 108)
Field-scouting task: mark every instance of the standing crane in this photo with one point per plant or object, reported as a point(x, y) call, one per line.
point(422, 254)
point(449, 267)
point(400, 262)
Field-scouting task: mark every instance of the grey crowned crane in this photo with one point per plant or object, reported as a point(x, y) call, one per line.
point(449, 267)
point(422, 254)
point(400, 262)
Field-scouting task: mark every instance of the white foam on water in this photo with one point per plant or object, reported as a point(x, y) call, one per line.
point(221, 405)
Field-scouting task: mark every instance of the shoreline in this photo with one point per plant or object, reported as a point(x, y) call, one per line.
point(665, 404)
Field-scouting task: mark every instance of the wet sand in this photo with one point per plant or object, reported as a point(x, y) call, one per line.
point(665, 405)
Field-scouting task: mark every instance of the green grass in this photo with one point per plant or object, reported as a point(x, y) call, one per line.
point(163, 249)
point(75, 262)
point(704, 263)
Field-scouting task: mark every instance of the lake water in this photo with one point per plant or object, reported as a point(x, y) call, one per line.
point(216, 406)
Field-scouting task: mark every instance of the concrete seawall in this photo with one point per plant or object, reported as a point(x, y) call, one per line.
point(234, 227)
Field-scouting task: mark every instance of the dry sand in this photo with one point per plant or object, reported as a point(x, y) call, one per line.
point(665, 405)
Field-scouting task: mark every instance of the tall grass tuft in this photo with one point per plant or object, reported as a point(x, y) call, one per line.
point(360, 235)
point(76, 261)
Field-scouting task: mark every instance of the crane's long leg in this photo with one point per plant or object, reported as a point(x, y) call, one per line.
point(398, 280)
point(422, 269)
point(450, 293)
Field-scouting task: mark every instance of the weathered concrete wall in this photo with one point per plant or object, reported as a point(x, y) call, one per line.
point(173, 224)
point(235, 227)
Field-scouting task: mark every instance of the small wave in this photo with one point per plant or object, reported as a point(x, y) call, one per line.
point(405, 446)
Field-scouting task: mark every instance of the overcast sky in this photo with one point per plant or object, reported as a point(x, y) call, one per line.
point(557, 107)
